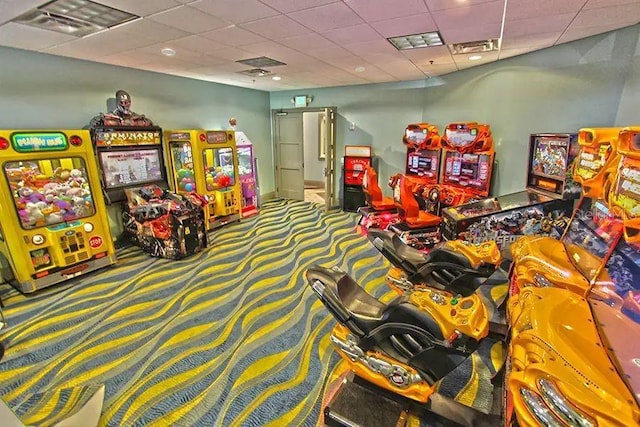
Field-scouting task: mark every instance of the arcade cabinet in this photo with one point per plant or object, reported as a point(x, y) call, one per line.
point(356, 160)
point(584, 305)
point(54, 224)
point(248, 171)
point(544, 208)
point(206, 162)
point(424, 150)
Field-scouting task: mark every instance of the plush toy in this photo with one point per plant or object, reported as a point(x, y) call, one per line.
point(75, 178)
point(28, 195)
point(61, 174)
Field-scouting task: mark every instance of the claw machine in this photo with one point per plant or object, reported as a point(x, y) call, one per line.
point(54, 223)
point(248, 171)
point(206, 162)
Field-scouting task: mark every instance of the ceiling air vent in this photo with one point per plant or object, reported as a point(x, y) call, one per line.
point(474, 47)
point(255, 72)
point(75, 17)
point(261, 62)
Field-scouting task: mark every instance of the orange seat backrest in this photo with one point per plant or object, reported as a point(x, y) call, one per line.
point(404, 199)
point(370, 186)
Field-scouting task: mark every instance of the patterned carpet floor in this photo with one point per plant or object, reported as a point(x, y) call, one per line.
point(230, 336)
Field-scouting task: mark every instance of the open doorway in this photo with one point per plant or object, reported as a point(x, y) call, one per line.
point(304, 144)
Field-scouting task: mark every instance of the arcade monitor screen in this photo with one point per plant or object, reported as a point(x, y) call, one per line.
point(468, 170)
point(423, 163)
point(124, 168)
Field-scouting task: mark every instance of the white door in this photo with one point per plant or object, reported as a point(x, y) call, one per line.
point(290, 160)
point(329, 142)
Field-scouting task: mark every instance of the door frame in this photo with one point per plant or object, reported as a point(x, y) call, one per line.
point(329, 170)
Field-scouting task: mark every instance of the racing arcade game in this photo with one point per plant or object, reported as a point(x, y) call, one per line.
point(592, 325)
point(54, 224)
point(544, 208)
point(206, 162)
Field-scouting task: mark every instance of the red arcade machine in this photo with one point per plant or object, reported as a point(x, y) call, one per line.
point(356, 160)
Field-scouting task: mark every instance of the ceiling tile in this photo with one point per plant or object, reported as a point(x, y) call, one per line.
point(189, 19)
point(327, 54)
point(277, 27)
point(365, 48)
point(524, 9)
point(550, 23)
point(9, 9)
point(141, 7)
point(592, 4)
point(462, 61)
point(574, 33)
point(31, 38)
point(327, 17)
point(130, 58)
point(352, 34)
point(196, 44)
point(379, 10)
point(438, 54)
point(471, 33)
point(236, 11)
point(622, 15)
point(531, 41)
point(232, 54)
point(469, 16)
point(286, 6)
point(233, 36)
point(509, 53)
point(153, 30)
point(415, 24)
point(434, 5)
point(306, 42)
point(438, 69)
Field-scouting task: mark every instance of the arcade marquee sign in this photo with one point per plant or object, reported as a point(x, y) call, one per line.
point(127, 137)
point(28, 142)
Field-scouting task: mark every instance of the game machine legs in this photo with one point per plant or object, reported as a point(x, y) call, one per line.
point(206, 162)
point(248, 171)
point(584, 345)
point(54, 225)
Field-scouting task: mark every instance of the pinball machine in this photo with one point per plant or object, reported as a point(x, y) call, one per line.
point(544, 208)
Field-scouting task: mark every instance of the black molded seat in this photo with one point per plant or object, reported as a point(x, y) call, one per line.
point(396, 251)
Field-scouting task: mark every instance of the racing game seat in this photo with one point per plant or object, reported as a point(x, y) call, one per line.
point(408, 207)
point(373, 192)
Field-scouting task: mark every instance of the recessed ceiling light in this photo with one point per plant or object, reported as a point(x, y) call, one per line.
point(475, 57)
point(276, 78)
point(415, 41)
point(167, 51)
point(360, 69)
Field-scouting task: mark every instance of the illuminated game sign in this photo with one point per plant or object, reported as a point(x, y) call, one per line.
point(28, 142)
point(216, 137)
point(127, 137)
point(179, 136)
point(590, 163)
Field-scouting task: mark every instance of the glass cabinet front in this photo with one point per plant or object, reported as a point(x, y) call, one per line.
point(183, 166)
point(220, 172)
point(49, 192)
point(245, 161)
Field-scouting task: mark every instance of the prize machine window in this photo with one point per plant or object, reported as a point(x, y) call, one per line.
point(182, 156)
point(423, 163)
point(126, 168)
point(220, 173)
point(549, 163)
point(244, 161)
point(49, 192)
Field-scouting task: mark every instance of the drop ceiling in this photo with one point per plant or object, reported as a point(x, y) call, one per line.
point(324, 43)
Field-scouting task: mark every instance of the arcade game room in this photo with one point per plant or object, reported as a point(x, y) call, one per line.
point(320, 212)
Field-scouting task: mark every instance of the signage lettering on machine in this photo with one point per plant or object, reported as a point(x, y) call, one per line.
point(27, 142)
point(127, 138)
point(216, 137)
point(179, 136)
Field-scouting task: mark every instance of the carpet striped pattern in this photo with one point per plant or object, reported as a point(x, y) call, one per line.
point(230, 336)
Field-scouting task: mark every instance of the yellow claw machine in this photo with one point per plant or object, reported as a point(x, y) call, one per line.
point(54, 224)
point(206, 162)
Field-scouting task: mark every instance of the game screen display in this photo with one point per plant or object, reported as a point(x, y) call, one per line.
point(50, 192)
point(220, 172)
point(550, 156)
point(591, 162)
point(467, 170)
point(423, 163)
point(182, 156)
point(131, 167)
point(591, 236)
